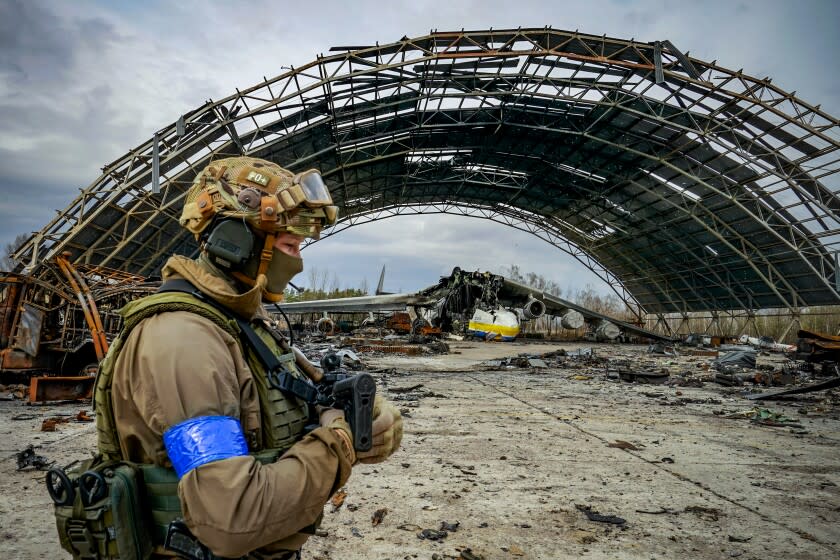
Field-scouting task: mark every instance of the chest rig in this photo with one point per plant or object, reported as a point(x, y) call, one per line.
point(284, 395)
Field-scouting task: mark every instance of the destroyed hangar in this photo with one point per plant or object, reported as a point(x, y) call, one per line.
point(686, 186)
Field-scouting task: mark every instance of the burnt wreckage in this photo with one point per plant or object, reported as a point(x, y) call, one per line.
point(689, 188)
point(480, 304)
point(59, 325)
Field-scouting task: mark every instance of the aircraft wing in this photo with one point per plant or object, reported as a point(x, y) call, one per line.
point(522, 294)
point(360, 304)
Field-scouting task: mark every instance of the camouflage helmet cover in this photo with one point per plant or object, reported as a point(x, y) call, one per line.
point(265, 195)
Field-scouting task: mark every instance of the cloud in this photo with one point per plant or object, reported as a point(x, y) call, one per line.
point(419, 249)
point(83, 82)
point(35, 47)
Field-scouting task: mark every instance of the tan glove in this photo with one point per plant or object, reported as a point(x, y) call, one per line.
point(333, 418)
point(387, 432)
point(327, 415)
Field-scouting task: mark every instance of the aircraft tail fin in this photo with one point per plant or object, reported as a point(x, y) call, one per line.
point(379, 290)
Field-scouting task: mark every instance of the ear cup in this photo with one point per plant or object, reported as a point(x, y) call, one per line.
point(229, 244)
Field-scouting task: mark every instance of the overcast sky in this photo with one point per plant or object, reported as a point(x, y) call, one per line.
point(82, 82)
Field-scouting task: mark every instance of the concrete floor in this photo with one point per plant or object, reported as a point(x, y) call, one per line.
point(512, 455)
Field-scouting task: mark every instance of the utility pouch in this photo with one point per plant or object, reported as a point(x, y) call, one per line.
point(99, 511)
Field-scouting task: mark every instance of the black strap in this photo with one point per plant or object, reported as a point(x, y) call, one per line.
point(277, 373)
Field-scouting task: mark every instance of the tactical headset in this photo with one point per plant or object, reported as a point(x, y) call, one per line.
point(230, 244)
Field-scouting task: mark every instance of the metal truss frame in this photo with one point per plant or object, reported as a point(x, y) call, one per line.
point(685, 185)
point(511, 217)
point(735, 322)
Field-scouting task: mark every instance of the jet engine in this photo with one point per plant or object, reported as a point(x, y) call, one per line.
point(326, 326)
point(606, 331)
point(571, 319)
point(533, 309)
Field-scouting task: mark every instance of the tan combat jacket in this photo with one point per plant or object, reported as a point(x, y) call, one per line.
point(178, 365)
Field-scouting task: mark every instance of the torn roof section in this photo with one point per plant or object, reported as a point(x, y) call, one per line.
point(685, 185)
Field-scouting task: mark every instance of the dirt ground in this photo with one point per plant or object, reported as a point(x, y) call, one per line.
point(511, 459)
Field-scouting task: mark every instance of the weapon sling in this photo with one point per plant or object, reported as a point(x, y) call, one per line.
point(277, 373)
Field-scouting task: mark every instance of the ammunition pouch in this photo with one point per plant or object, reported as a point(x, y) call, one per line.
point(117, 509)
point(99, 510)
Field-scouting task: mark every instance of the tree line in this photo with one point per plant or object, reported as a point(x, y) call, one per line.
point(323, 284)
point(7, 262)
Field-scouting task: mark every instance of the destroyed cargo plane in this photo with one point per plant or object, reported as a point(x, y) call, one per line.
point(479, 304)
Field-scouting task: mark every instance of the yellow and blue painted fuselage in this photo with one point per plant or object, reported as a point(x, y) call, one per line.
point(500, 324)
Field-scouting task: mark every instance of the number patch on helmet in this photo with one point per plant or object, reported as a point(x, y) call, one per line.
point(258, 178)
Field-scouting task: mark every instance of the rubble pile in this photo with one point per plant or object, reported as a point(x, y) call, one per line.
point(374, 341)
point(741, 366)
point(13, 392)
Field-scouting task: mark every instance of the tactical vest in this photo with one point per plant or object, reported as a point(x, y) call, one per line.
point(283, 417)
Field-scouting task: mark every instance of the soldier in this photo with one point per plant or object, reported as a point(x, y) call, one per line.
point(179, 389)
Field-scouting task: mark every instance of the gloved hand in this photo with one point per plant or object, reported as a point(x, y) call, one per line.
point(333, 418)
point(387, 432)
point(327, 415)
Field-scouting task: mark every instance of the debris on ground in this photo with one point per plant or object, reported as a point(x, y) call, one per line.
point(734, 538)
point(766, 417)
point(828, 384)
point(412, 394)
point(710, 514)
point(432, 535)
point(348, 357)
point(450, 527)
point(732, 361)
point(443, 473)
point(597, 517)
point(13, 392)
point(338, 500)
point(49, 424)
point(28, 458)
point(522, 361)
point(620, 444)
point(815, 346)
point(83, 416)
point(662, 348)
point(468, 554)
point(650, 377)
point(401, 390)
point(378, 516)
point(656, 512)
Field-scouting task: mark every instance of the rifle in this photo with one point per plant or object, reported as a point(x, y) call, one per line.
point(352, 393)
point(337, 388)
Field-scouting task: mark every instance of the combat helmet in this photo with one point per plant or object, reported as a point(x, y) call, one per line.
point(237, 206)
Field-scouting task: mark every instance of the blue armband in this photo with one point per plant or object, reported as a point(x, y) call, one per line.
point(202, 440)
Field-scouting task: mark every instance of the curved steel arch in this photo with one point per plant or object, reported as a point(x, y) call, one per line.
point(685, 185)
point(510, 217)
